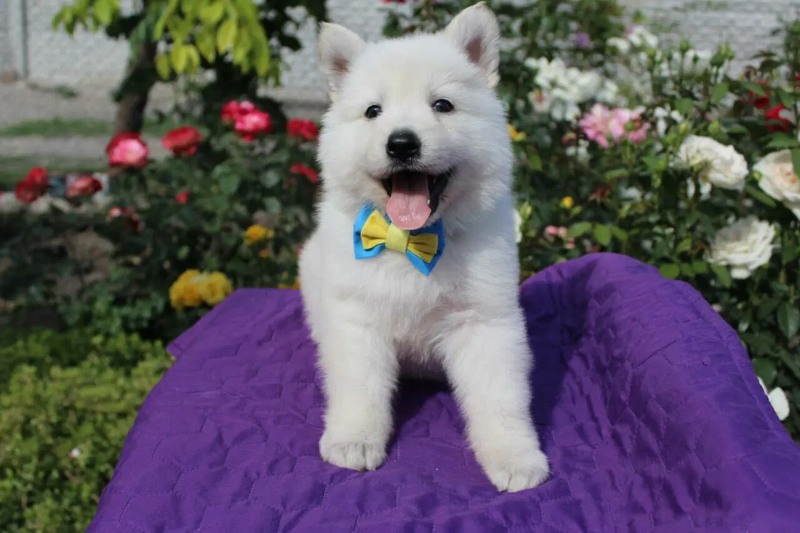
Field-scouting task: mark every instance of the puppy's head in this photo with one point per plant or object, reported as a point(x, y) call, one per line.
point(415, 127)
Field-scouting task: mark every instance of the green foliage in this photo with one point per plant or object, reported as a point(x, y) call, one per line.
point(634, 196)
point(197, 33)
point(67, 401)
point(120, 272)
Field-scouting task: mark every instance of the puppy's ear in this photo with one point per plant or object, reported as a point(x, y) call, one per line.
point(475, 31)
point(338, 47)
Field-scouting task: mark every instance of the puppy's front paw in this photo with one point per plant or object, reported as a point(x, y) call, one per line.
point(352, 454)
point(513, 472)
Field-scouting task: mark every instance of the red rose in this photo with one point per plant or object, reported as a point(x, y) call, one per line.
point(252, 123)
point(128, 214)
point(233, 110)
point(127, 150)
point(182, 141)
point(760, 102)
point(83, 186)
point(775, 121)
point(32, 186)
point(304, 129)
point(182, 197)
point(304, 170)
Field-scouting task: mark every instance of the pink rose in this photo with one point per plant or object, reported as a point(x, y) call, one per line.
point(127, 150)
point(252, 123)
point(304, 129)
point(182, 141)
point(182, 197)
point(83, 186)
point(233, 109)
point(32, 186)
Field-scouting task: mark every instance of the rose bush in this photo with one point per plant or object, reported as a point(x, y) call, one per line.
point(172, 238)
point(629, 143)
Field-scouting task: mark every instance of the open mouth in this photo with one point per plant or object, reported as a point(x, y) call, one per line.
point(413, 196)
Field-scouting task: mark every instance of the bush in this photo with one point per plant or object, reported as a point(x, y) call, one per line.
point(233, 200)
point(630, 144)
point(67, 401)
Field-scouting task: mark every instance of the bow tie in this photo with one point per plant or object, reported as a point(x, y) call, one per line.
point(373, 232)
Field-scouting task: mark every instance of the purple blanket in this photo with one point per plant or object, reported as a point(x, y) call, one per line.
point(646, 403)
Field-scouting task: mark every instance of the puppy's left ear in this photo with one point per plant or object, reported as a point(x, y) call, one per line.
point(475, 31)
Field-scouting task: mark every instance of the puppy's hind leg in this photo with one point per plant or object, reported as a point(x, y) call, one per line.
point(361, 373)
point(487, 363)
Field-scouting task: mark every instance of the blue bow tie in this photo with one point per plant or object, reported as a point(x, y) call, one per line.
point(373, 232)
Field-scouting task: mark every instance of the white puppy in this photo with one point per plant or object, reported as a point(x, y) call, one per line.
point(416, 133)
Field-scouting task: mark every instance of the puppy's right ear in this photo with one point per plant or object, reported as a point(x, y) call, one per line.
point(338, 47)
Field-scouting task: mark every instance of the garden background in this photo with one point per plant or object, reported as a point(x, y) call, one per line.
point(126, 216)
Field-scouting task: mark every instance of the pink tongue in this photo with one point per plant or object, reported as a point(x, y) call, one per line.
point(408, 205)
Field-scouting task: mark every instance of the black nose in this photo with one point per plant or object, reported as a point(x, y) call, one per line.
point(403, 145)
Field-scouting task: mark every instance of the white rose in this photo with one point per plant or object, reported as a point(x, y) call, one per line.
point(779, 180)
point(640, 37)
point(778, 400)
point(744, 245)
point(621, 45)
point(718, 164)
point(9, 203)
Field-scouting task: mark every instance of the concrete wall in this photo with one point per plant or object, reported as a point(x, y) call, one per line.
point(90, 59)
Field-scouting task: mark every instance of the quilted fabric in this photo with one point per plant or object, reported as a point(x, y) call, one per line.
point(645, 399)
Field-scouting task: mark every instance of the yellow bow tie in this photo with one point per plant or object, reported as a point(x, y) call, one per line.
point(373, 233)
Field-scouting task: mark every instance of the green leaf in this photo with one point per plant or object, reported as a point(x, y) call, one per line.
point(684, 106)
point(781, 140)
point(162, 66)
point(754, 88)
point(684, 246)
point(535, 161)
point(619, 233)
point(212, 13)
point(719, 92)
point(796, 161)
point(262, 60)
point(103, 11)
point(229, 183)
point(579, 229)
point(722, 274)
point(226, 35)
point(788, 319)
point(759, 195)
point(158, 28)
point(204, 41)
point(670, 270)
point(611, 175)
point(765, 369)
point(178, 56)
point(602, 234)
point(700, 267)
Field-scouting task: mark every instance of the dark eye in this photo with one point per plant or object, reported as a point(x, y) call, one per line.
point(442, 106)
point(373, 111)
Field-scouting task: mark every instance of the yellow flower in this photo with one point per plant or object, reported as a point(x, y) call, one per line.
point(567, 202)
point(264, 253)
point(216, 287)
point(256, 233)
point(178, 289)
point(191, 293)
point(515, 135)
point(193, 287)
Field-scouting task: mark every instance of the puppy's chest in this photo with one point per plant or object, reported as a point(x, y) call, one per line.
point(404, 301)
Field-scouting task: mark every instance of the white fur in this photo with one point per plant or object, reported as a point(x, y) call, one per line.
point(375, 318)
